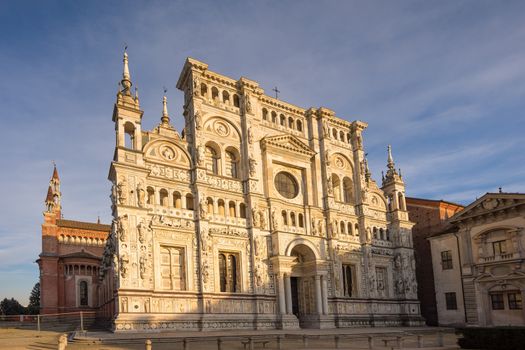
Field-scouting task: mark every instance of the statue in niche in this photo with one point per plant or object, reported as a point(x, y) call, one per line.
point(142, 230)
point(327, 157)
point(400, 286)
point(334, 228)
point(114, 194)
point(203, 207)
point(124, 261)
point(326, 130)
point(329, 186)
point(252, 163)
point(200, 154)
point(250, 135)
point(259, 245)
point(320, 228)
point(142, 267)
point(198, 120)
point(259, 270)
point(204, 242)
point(368, 235)
point(141, 194)
point(262, 214)
point(122, 191)
point(205, 273)
point(119, 224)
point(247, 103)
point(124, 304)
point(256, 217)
point(195, 86)
point(314, 227)
point(397, 261)
point(275, 222)
point(115, 263)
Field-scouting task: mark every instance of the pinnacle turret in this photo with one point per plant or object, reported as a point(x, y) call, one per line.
point(391, 173)
point(126, 77)
point(165, 120)
point(53, 192)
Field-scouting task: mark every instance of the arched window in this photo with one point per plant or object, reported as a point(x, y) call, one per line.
point(292, 219)
point(299, 125)
point(228, 270)
point(232, 163)
point(129, 135)
point(212, 160)
point(236, 100)
point(83, 293)
point(401, 201)
point(214, 93)
point(284, 217)
point(290, 123)
point(382, 234)
point(334, 134)
point(151, 195)
point(349, 229)
point(348, 138)
point(356, 229)
point(375, 232)
point(343, 228)
point(265, 114)
point(242, 210)
point(301, 220)
point(225, 97)
point(177, 200)
point(189, 201)
point(274, 117)
point(341, 135)
point(387, 234)
point(347, 190)
point(232, 273)
point(233, 211)
point(221, 206)
point(348, 281)
point(163, 197)
point(209, 201)
point(282, 120)
point(204, 90)
point(336, 185)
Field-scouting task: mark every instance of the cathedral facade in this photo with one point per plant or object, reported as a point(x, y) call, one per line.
point(258, 215)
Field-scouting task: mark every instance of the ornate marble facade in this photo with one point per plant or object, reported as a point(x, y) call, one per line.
point(258, 215)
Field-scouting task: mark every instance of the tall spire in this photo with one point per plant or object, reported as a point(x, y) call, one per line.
point(390, 163)
point(53, 193)
point(126, 77)
point(165, 120)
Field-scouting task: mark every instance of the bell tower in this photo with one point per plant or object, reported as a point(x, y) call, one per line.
point(394, 189)
point(127, 117)
point(53, 197)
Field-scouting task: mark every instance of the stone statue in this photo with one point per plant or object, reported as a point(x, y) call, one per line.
point(334, 228)
point(320, 228)
point(204, 242)
point(142, 267)
point(124, 261)
point(329, 186)
point(247, 104)
point(200, 154)
point(120, 223)
point(250, 135)
point(205, 273)
point(314, 227)
point(124, 304)
point(262, 214)
point(256, 217)
point(275, 222)
point(203, 208)
point(141, 195)
point(115, 263)
point(114, 194)
point(368, 235)
point(142, 229)
point(198, 120)
point(195, 86)
point(252, 164)
point(122, 191)
point(327, 157)
point(326, 130)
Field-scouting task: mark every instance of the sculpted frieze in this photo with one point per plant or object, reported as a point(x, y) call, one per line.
point(168, 172)
point(221, 183)
point(162, 220)
point(224, 231)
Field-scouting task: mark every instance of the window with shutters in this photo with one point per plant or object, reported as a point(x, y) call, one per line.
point(229, 272)
point(349, 286)
point(172, 265)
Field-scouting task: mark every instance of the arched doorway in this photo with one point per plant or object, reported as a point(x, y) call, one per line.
point(307, 290)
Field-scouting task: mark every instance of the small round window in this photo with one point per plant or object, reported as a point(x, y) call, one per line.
point(286, 185)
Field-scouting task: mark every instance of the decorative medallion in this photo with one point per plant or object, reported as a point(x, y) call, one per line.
point(222, 129)
point(339, 163)
point(490, 204)
point(167, 152)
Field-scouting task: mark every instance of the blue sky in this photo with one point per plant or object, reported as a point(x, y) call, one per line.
point(442, 81)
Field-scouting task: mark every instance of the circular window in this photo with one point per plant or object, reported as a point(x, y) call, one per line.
point(286, 185)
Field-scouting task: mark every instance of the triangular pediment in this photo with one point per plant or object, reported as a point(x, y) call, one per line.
point(289, 143)
point(489, 203)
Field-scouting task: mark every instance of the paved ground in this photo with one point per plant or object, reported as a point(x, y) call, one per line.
point(354, 338)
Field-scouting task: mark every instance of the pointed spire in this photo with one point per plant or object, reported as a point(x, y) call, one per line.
point(165, 116)
point(126, 77)
point(390, 163)
point(52, 201)
point(55, 172)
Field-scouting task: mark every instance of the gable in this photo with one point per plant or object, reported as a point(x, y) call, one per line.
point(489, 203)
point(289, 143)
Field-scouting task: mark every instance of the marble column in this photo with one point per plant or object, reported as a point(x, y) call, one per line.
point(282, 303)
point(288, 286)
point(319, 302)
point(324, 293)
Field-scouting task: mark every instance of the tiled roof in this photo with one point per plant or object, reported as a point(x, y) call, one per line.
point(83, 225)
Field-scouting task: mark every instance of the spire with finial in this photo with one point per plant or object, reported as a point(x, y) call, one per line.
point(165, 120)
point(390, 163)
point(391, 173)
point(53, 193)
point(126, 77)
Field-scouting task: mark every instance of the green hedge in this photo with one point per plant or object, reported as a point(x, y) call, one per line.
point(492, 338)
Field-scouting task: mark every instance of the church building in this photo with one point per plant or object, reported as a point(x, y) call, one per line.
point(259, 215)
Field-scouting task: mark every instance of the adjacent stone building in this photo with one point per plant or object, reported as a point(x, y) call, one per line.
point(479, 263)
point(430, 217)
point(259, 215)
point(70, 259)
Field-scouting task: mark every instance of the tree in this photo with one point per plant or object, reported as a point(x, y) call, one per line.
point(11, 307)
point(34, 300)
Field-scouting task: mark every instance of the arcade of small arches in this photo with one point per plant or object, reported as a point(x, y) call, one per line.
point(80, 240)
point(290, 218)
point(73, 269)
point(340, 135)
point(282, 120)
point(224, 96)
point(343, 190)
point(396, 202)
point(216, 164)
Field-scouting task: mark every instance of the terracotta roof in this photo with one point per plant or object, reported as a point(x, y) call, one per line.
point(434, 201)
point(83, 225)
point(49, 197)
